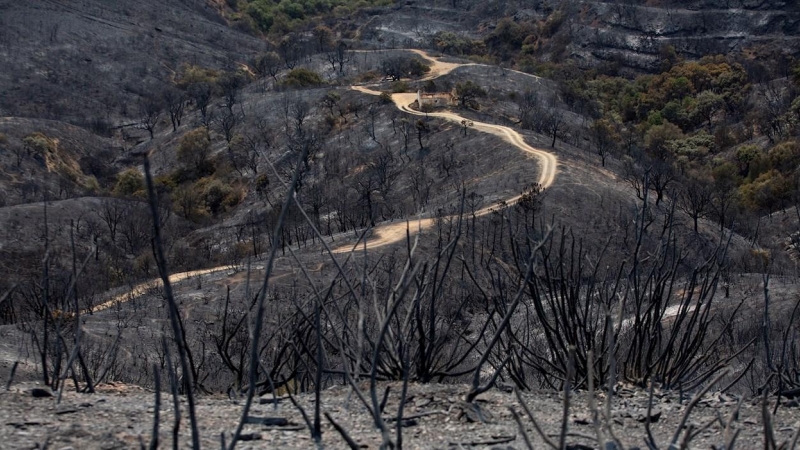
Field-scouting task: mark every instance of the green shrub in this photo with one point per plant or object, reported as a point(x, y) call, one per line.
point(398, 67)
point(216, 196)
point(448, 42)
point(129, 183)
point(386, 98)
point(302, 77)
point(39, 144)
point(769, 191)
point(165, 183)
point(292, 9)
point(367, 77)
point(785, 156)
point(552, 24)
point(280, 16)
point(194, 150)
point(186, 200)
point(144, 264)
point(190, 74)
point(658, 139)
point(342, 11)
point(331, 122)
point(91, 184)
point(261, 14)
point(468, 92)
point(244, 23)
point(399, 87)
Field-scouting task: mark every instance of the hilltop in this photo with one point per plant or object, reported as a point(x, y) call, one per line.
point(87, 62)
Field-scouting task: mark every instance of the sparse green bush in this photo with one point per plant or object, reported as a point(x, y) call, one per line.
point(482, 59)
point(399, 87)
point(331, 122)
point(262, 183)
point(39, 144)
point(216, 196)
point(144, 264)
point(508, 36)
point(403, 67)
point(448, 42)
point(91, 184)
point(186, 200)
point(386, 98)
point(341, 11)
point(129, 183)
point(45, 151)
point(302, 77)
point(244, 23)
point(551, 25)
point(366, 77)
point(277, 16)
point(190, 74)
point(165, 182)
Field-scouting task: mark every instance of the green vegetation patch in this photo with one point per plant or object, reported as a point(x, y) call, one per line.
point(269, 16)
point(302, 77)
point(190, 74)
point(46, 152)
point(130, 183)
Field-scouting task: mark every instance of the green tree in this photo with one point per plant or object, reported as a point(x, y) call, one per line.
point(706, 106)
point(745, 155)
point(768, 192)
point(194, 150)
point(468, 92)
point(268, 64)
point(129, 183)
point(323, 37)
point(403, 67)
point(331, 100)
point(658, 138)
point(216, 196)
point(785, 156)
point(668, 57)
point(261, 14)
point(187, 200)
point(605, 138)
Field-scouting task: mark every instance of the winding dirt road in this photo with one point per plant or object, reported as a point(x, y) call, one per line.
point(142, 288)
point(389, 233)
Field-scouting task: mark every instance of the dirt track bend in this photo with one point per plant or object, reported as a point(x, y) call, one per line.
point(142, 288)
point(389, 233)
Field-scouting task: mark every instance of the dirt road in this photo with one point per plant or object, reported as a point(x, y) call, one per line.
point(389, 233)
point(142, 288)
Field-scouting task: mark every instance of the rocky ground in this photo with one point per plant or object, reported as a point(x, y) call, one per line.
point(121, 416)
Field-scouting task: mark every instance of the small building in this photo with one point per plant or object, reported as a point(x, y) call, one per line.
point(436, 99)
